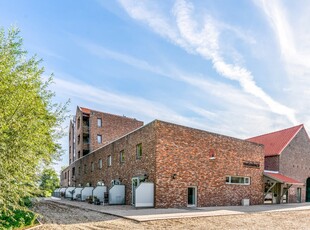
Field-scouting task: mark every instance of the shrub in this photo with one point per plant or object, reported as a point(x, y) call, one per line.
point(17, 219)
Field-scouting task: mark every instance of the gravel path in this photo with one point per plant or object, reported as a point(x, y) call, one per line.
point(58, 216)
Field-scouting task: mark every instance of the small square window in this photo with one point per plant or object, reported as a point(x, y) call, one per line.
point(109, 160)
point(122, 156)
point(139, 151)
point(100, 163)
point(99, 122)
point(99, 139)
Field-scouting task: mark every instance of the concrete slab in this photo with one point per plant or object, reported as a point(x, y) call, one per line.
point(149, 214)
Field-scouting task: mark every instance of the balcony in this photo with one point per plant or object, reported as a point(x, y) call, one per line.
point(85, 129)
point(85, 146)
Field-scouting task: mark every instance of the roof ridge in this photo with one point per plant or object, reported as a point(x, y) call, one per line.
point(301, 125)
point(116, 115)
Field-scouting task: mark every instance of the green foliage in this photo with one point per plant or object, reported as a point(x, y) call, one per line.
point(49, 181)
point(17, 219)
point(29, 122)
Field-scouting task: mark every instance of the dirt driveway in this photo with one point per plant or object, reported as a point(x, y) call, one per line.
point(59, 216)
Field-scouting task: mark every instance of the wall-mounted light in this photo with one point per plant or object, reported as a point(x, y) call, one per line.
point(173, 176)
point(146, 176)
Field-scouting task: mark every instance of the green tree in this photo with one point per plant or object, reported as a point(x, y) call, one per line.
point(49, 181)
point(29, 122)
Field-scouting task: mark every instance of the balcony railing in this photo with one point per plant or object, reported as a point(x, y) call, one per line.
point(85, 129)
point(85, 146)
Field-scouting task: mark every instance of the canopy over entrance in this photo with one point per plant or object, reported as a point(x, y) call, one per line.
point(277, 186)
point(282, 179)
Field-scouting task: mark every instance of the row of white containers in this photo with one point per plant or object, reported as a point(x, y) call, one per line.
point(116, 193)
point(143, 194)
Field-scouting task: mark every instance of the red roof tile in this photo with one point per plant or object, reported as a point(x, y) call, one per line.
point(274, 143)
point(85, 110)
point(281, 178)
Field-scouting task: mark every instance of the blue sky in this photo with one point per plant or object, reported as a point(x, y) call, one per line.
point(239, 68)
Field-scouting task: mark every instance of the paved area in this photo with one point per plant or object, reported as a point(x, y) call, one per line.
point(148, 214)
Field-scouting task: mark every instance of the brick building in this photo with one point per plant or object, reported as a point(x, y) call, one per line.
point(287, 164)
point(188, 167)
point(91, 129)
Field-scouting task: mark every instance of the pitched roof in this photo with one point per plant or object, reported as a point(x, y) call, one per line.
point(275, 142)
point(85, 110)
point(282, 178)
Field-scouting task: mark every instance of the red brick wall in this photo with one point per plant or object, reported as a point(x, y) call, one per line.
point(171, 149)
point(295, 162)
point(272, 163)
point(185, 152)
point(113, 127)
point(125, 171)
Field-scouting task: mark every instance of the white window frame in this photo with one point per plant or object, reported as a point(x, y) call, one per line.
point(139, 151)
point(247, 180)
point(99, 122)
point(100, 163)
point(99, 137)
point(109, 160)
point(92, 166)
point(122, 156)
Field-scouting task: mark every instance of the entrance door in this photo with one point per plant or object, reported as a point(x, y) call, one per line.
point(308, 190)
point(299, 195)
point(191, 196)
point(135, 181)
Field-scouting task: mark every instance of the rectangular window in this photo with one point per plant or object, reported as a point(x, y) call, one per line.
point(99, 139)
point(78, 122)
point(238, 180)
point(122, 156)
point(73, 171)
point(85, 169)
point(65, 175)
point(109, 160)
point(79, 170)
point(139, 151)
point(100, 163)
point(92, 166)
point(99, 122)
point(79, 139)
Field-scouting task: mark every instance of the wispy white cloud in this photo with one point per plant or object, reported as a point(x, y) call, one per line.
point(103, 52)
point(223, 92)
point(145, 109)
point(293, 38)
point(233, 106)
point(287, 37)
point(203, 39)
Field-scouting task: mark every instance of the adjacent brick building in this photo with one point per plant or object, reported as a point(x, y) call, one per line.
point(187, 166)
point(287, 163)
point(92, 129)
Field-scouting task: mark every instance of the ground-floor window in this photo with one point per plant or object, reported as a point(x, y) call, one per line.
point(238, 180)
